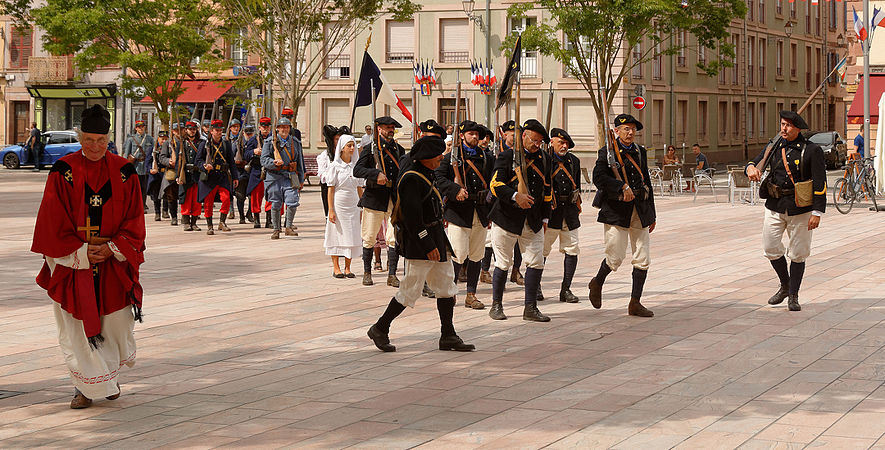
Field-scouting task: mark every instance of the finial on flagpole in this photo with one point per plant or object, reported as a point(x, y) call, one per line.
point(368, 42)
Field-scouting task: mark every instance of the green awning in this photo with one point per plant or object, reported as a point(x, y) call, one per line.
point(99, 91)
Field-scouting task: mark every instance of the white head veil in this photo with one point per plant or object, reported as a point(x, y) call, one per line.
point(342, 141)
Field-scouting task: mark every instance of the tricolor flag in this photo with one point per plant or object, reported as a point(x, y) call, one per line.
point(371, 76)
point(432, 74)
point(859, 29)
point(841, 68)
point(417, 73)
point(877, 19)
point(492, 79)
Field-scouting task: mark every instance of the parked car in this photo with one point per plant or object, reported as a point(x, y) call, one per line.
point(55, 145)
point(835, 150)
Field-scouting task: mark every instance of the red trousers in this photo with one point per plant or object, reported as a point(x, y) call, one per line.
point(268, 205)
point(190, 207)
point(209, 201)
point(255, 198)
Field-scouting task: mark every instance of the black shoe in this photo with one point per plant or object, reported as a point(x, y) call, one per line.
point(256, 220)
point(380, 339)
point(595, 293)
point(566, 295)
point(268, 223)
point(174, 221)
point(455, 343)
point(188, 226)
point(793, 303)
point(496, 312)
point(165, 214)
point(157, 216)
point(367, 279)
point(782, 293)
point(532, 313)
point(194, 223)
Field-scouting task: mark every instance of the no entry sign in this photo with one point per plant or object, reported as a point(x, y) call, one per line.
point(639, 102)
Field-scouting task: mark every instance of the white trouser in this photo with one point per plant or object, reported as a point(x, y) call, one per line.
point(468, 243)
point(798, 236)
point(616, 244)
point(568, 240)
point(440, 278)
point(531, 244)
point(370, 224)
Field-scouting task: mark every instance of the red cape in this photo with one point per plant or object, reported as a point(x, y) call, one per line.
point(62, 211)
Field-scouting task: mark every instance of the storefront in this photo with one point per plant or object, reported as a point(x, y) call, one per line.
point(60, 107)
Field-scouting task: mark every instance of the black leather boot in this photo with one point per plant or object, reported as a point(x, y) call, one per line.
point(194, 223)
point(256, 219)
point(268, 222)
point(368, 254)
point(782, 293)
point(531, 313)
point(186, 220)
point(222, 226)
point(499, 279)
point(793, 303)
point(210, 231)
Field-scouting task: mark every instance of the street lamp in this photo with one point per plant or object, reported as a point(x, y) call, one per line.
point(468, 6)
point(788, 28)
point(840, 40)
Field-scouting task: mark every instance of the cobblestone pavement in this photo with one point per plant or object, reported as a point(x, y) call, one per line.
point(249, 342)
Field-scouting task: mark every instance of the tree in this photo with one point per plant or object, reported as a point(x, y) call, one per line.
point(597, 34)
point(156, 41)
point(298, 39)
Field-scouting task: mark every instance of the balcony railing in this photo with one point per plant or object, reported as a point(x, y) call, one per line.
point(400, 57)
point(529, 65)
point(338, 67)
point(680, 61)
point(51, 69)
point(750, 73)
point(453, 57)
point(762, 76)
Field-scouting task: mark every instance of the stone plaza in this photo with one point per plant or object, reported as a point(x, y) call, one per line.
point(249, 342)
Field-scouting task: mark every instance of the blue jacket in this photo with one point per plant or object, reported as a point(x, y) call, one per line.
point(290, 152)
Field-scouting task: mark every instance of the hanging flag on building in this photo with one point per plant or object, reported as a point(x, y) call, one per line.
point(859, 29)
point(841, 68)
point(371, 76)
point(432, 74)
point(510, 74)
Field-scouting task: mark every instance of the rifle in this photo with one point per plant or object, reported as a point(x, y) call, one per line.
point(238, 157)
point(518, 156)
point(456, 138)
point(549, 108)
point(610, 143)
point(376, 151)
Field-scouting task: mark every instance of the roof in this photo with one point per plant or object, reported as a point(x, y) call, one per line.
point(877, 88)
point(200, 91)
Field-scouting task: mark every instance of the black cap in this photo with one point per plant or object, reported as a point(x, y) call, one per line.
point(623, 119)
point(560, 133)
point(795, 119)
point(387, 120)
point(162, 133)
point(469, 125)
point(485, 132)
point(95, 119)
point(508, 125)
point(427, 147)
point(431, 126)
point(536, 126)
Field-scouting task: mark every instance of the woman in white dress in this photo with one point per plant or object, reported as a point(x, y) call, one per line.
point(343, 224)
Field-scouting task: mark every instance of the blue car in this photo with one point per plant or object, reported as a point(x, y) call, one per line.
point(55, 145)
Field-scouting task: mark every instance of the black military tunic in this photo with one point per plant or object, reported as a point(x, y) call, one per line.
point(505, 212)
point(616, 212)
point(566, 176)
point(164, 162)
point(813, 167)
point(476, 180)
point(422, 224)
point(374, 196)
point(188, 157)
point(223, 171)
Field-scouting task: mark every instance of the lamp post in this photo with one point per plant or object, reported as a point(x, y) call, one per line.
point(484, 27)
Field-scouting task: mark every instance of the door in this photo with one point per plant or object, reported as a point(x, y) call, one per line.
point(20, 122)
point(446, 111)
point(75, 111)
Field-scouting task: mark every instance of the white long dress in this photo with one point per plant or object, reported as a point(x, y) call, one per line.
point(343, 237)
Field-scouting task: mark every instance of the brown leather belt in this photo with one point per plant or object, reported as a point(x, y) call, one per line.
point(98, 240)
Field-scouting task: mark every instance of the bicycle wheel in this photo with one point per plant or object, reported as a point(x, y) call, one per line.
point(871, 188)
point(842, 196)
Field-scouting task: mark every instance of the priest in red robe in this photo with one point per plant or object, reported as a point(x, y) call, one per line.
point(90, 230)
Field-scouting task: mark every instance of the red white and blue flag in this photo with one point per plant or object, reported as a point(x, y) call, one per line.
point(859, 29)
point(371, 77)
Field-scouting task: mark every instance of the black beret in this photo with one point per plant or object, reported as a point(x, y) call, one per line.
point(623, 119)
point(560, 133)
point(95, 119)
point(431, 126)
point(427, 147)
point(485, 132)
point(795, 119)
point(536, 126)
point(163, 133)
point(509, 126)
point(387, 120)
point(469, 125)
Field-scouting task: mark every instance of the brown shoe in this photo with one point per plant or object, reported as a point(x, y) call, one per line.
point(275, 234)
point(223, 227)
point(117, 395)
point(290, 231)
point(485, 277)
point(470, 301)
point(595, 293)
point(516, 277)
point(367, 279)
point(636, 309)
point(80, 401)
point(392, 281)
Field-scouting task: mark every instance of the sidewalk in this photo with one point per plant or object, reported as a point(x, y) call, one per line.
point(249, 342)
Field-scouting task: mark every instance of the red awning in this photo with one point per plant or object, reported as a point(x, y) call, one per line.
point(877, 87)
point(200, 91)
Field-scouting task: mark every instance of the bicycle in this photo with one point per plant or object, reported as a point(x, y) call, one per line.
point(855, 183)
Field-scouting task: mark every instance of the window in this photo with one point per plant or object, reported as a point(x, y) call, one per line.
point(761, 11)
point(763, 53)
point(682, 118)
point(833, 16)
point(780, 58)
point(751, 55)
point(680, 42)
point(658, 61)
point(580, 117)
point(751, 108)
point(735, 74)
point(529, 63)
point(238, 54)
point(702, 119)
point(722, 71)
point(723, 119)
point(736, 118)
point(818, 59)
point(337, 59)
point(794, 59)
point(702, 54)
point(659, 118)
point(808, 11)
point(779, 7)
point(335, 110)
point(762, 107)
point(637, 55)
point(792, 10)
point(400, 42)
point(808, 68)
point(453, 40)
point(20, 47)
point(750, 6)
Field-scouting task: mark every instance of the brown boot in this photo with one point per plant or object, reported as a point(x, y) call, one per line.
point(80, 401)
point(392, 281)
point(485, 277)
point(275, 234)
point(290, 231)
point(516, 277)
point(470, 301)
point(367, 279)
point(595, 293)
point(221, 225)
point(636, 309)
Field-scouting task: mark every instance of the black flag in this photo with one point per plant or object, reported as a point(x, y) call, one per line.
point(510, 75)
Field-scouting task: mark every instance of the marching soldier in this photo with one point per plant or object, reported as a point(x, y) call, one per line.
point(627, 208)
point(379, 195)
point(204, 129)
point(155, 176)
point(521, 218)
point(136, 149)
point(255, 185)
point(283, 160)
point(791, 205)
point(425, 248)
point(467, 205)
point(564, 221)
point(187, 192)
point(289, 113)
point(236, 144)
point(264, 132)
point(218, 175)
point(166, 160)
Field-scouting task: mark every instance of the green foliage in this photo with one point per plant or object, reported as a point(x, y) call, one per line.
point(155, 40)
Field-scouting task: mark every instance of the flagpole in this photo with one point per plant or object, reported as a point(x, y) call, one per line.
point(414, 112)
point(866, 79)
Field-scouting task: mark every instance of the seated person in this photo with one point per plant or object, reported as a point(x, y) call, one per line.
point(702, 165)
point(670, 157)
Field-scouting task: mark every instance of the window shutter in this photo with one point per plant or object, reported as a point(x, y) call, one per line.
point(400, 37)
point(580, 118)
point(453, 35)
point(336, 111)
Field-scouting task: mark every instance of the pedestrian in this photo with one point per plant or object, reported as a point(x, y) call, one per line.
point(566, 209)
point(342, 238)
point(218, 176)
point(795, 199)
point(859, 143)
point(367, 138)
point(283, 161)
point(34, 144)
point(188, 176)
point(425, 248)
point(627, 210)
point(90, 230)
point(135, 149)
